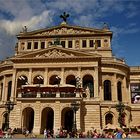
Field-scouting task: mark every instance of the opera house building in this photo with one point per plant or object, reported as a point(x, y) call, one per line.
point(66, 75)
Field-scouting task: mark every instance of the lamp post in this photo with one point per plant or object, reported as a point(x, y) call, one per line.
point(9, 107)
point(121, 110)
point(75, 106)
point(78, 83)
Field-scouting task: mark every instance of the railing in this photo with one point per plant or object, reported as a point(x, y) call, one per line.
point(28, 95)
point(48, 94)
point(67, 95)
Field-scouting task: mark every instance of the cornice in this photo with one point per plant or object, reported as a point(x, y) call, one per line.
point(86, 32)
point(56, 60)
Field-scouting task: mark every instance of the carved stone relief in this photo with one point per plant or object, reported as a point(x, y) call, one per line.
point(63, 31)
point(54, 54)
point(51, 73)
point(22, 45)
point(106, 44)
point(87, 72)
point(77, 44)
point(22, 73)
point(70, 72)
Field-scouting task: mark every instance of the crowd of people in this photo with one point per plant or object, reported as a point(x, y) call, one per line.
point(60, 133)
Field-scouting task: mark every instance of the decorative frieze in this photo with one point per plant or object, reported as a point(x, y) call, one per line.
point(63, 31)
point(54, 53)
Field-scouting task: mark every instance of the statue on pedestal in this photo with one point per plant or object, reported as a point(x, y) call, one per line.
point(87, 92)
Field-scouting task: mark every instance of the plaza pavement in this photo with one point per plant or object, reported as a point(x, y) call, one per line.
point(21, 136)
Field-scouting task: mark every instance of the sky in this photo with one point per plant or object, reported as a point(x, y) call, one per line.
point(122, 17)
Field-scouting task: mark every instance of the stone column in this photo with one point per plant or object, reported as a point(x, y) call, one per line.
point(102, 92)
point(0, 92)
point(80, 43)
point(32, 45)
point(62, 76)
point(66, 45)
point(46, 77)
point(30, 76)
point(3, 90)
point(114, 89)
point(87, 40)
point(78, 120)
point(6, 91)
point(95, 82)
point(37, 118)
point(126, 93)
point(102, 43)
point(46, 44)
point(13, 96)
point(57, 116)
point(73, 43)
point(26, 45)
point(39, 44)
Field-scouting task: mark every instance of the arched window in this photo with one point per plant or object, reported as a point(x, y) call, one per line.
point(107, 90)
point(22, 80)
point(89, 82)
point(109, 119)
point(55, 80)
point(71, 80)
point(9, 90)
point(119, 91)
point(38, 80)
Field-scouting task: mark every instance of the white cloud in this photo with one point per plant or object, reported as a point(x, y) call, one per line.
point(35, 22)
point(14, 14)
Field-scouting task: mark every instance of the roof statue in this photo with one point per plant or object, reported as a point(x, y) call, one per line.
point(57, 41)
point(64, 16)
point(24, 29)
point(105, 26)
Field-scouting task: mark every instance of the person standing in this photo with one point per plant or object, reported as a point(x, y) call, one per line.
point(45, 133)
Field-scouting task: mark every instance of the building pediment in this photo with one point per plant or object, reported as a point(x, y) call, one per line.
point(55, 52)
point(65, 30)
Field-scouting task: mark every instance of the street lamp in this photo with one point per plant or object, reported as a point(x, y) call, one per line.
point(78, 83)
point(75, 106)
point(9, 107)
point(121, 110)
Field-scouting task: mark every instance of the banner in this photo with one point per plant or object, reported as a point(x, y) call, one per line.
point(135, 93)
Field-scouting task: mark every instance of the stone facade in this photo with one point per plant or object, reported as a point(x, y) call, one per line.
point(29, 78)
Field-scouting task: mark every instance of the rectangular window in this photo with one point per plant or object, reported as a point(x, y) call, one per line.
point(98, 43)
point(42, 45)
point(35, 45)
point(63, 44)
point(84, 43)
point(29, 45)
point(91, 43)
point(69, 44)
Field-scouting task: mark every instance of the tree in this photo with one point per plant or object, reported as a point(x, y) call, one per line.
point(121, 110)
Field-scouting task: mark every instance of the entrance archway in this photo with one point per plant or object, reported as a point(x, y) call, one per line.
point(109, 118)
point(4, 121)
point(28, 118)
point(67, 119)
point(47, 119)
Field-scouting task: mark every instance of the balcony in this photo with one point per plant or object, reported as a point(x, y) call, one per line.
point(40, 93)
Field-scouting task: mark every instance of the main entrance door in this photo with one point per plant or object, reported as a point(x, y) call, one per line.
point(47, 119)
point(67, 119)
point(28, 118)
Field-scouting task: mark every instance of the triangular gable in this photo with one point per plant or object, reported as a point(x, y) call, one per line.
point(65, 30)
point(55, 52)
